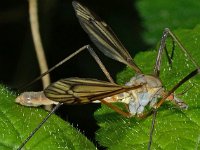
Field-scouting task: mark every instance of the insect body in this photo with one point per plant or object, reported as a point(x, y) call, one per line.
point(145, 89)
point(137, 93)
point(34, 99)
point(148, 94)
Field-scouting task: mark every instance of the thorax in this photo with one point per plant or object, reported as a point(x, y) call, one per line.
point(141, 97)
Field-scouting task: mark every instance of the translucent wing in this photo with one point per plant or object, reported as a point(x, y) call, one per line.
point(82, 90)
point(102, 36)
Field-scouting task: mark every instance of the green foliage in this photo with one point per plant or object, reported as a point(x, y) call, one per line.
point(17, 122)
point(174, 128)
point(157, 15)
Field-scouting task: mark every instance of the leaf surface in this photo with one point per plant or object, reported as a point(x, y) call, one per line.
point(17, 122)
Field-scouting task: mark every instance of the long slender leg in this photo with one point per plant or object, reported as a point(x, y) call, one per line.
point(54, 67)
point(189, 76)
point(101, 65)
point(116, 109)
point(185, 51)
point(88, 47)
point(160, 52)
point(167, 33)
point(152, 128)
point(39, 126)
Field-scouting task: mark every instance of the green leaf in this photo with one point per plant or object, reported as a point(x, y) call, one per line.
point(157, 15)
point(174, 128)
point(17, 122)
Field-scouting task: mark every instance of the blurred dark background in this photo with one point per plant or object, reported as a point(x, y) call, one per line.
point(61, 35)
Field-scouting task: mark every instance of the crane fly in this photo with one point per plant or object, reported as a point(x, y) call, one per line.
point(141, 91)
